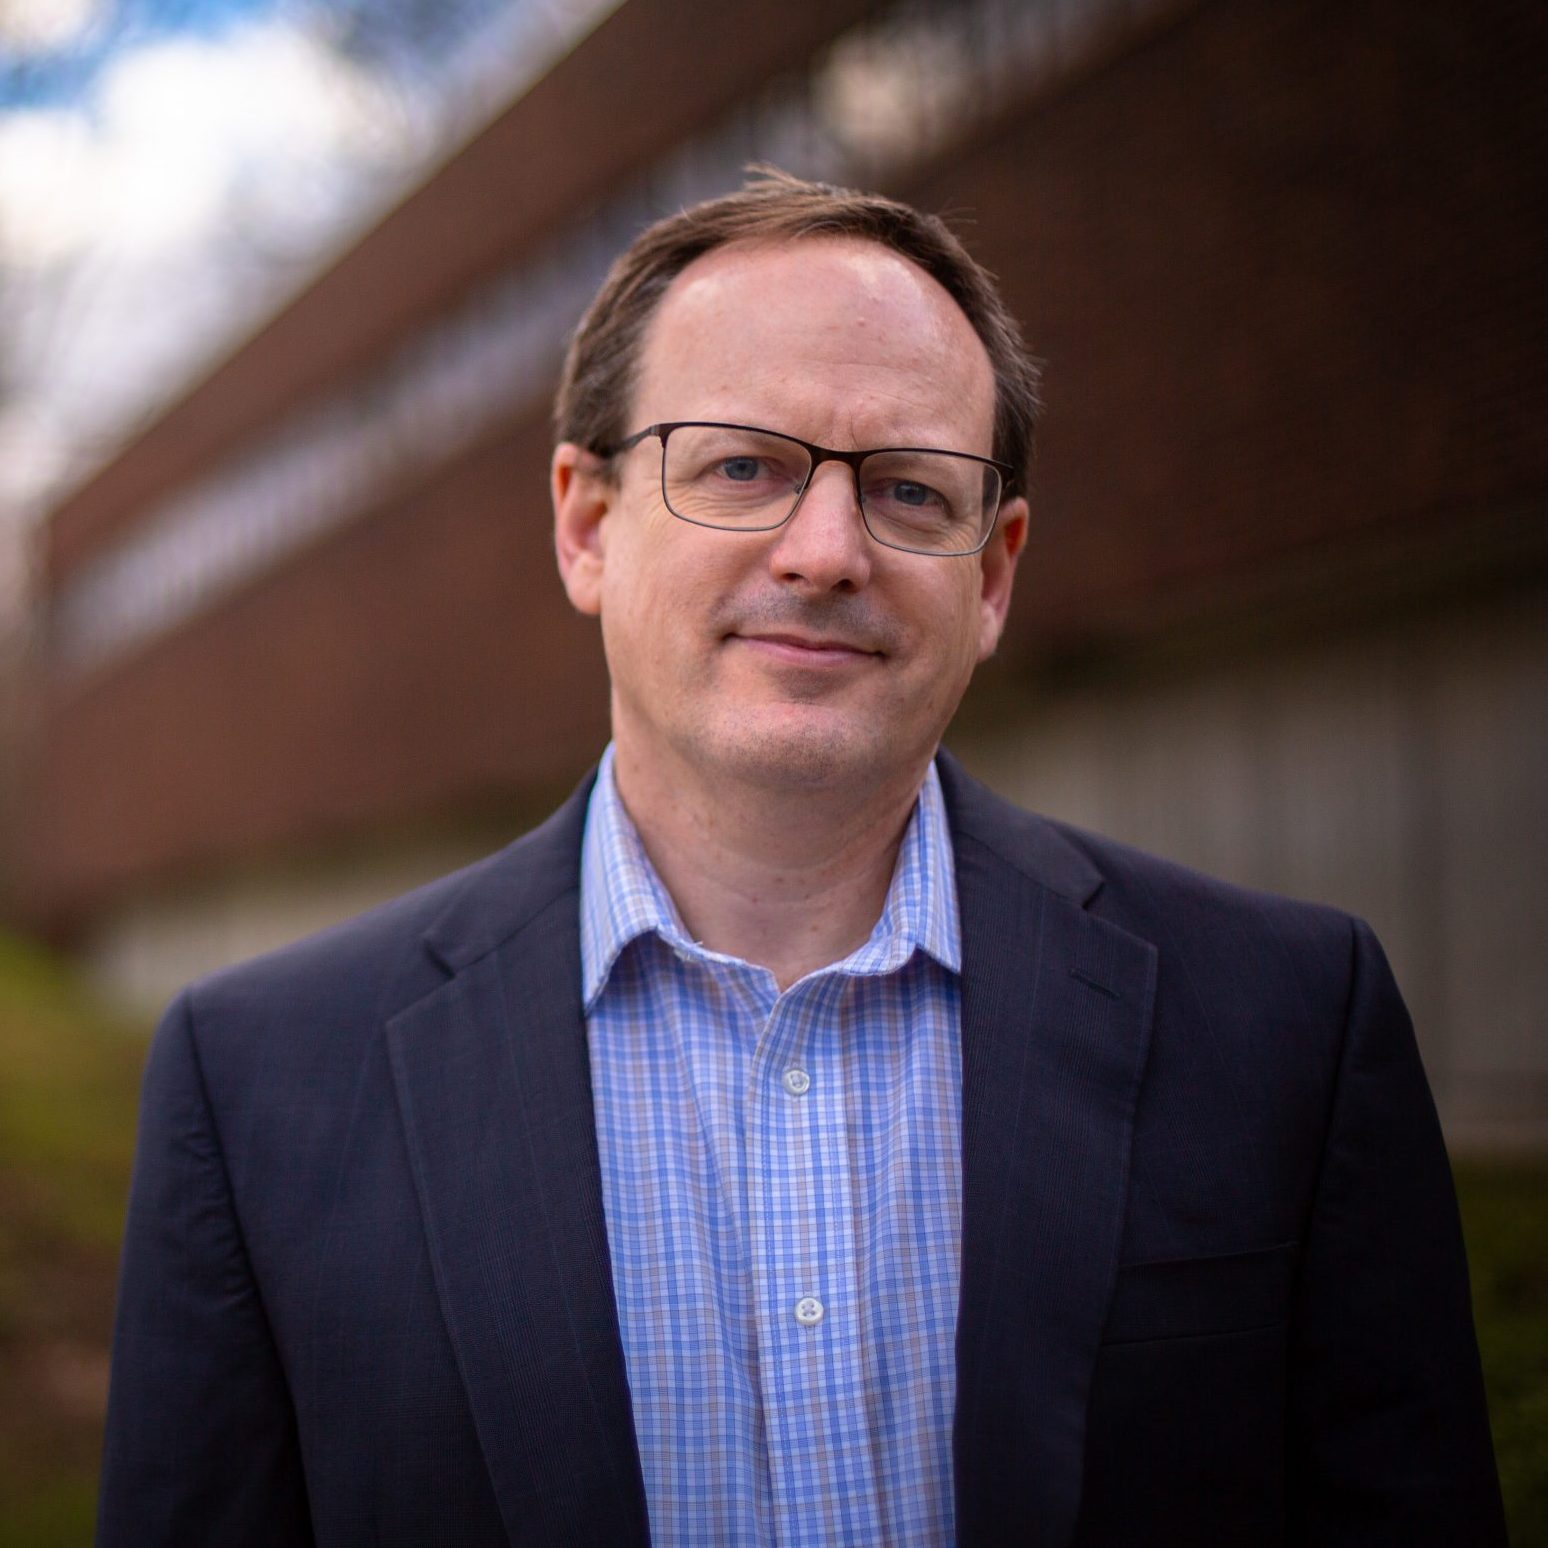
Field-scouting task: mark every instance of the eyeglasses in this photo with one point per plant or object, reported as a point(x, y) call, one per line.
point(738, 478)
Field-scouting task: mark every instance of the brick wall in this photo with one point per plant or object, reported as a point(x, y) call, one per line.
point(1284, 263)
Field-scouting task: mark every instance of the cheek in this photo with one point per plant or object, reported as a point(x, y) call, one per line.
point(955, 623)
point(655, 606)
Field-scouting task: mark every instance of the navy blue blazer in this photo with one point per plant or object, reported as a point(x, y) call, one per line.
point(1212, 1292)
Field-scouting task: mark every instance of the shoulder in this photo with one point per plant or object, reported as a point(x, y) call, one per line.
point(368, 968)
point(1157, 899)
point(1263, 990)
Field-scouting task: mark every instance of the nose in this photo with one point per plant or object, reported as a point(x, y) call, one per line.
point(824, 545)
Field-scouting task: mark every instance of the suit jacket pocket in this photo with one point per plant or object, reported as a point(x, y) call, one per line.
point(1193, 1297)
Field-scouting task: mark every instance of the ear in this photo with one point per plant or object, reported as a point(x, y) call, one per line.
point(582, 495)
point(998, 562)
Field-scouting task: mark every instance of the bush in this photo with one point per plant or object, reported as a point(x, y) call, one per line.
point(1505, 1216)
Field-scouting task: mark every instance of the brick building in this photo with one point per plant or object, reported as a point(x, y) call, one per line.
point(1282, 613)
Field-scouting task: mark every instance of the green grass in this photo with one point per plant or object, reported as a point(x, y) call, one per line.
point(69, 1074)
point(1505, 1215)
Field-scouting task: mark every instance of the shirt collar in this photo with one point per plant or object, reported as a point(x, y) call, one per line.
point(622, 897)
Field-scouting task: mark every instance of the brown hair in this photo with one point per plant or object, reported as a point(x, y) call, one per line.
point(596, 386)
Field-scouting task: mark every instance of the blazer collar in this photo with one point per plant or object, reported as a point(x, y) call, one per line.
point(1027, 843)
point(494, 1088)
point(504, 893)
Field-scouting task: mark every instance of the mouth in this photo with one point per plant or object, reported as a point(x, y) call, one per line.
point(806, 649)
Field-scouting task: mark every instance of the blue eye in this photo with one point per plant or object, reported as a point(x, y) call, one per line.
point(906, 495)
point(740, 470)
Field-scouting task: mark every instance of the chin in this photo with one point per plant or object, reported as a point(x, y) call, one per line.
point(808, 750)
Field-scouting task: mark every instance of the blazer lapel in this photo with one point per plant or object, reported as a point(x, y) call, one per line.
point(494, 1088)
point(1056, 1011)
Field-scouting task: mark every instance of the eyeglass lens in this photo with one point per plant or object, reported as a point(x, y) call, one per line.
point(926, 501)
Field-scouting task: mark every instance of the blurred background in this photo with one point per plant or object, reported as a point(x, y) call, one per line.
point(283, 289)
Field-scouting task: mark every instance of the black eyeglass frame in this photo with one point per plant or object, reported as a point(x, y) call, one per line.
point(819, 455)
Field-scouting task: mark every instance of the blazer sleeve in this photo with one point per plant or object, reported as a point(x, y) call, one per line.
point(1389, 1438)
point(201, 1443)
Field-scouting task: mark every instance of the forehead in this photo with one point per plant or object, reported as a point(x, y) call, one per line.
point(831, 338)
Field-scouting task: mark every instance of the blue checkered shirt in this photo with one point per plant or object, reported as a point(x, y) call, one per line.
point(781, 1175)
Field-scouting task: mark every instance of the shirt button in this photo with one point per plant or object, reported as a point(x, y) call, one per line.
point(808, 1311)
point(798, 1083)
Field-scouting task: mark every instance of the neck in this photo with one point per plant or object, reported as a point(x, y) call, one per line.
point(790, 880)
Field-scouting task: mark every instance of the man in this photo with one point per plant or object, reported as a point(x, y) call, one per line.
point(790, 1142)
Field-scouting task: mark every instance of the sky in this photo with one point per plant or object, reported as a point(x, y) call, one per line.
point(172, 170)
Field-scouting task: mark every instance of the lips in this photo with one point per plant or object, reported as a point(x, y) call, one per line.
point(810, 642)
point(806, 650)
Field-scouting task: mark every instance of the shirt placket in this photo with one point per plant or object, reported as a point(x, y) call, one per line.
point(809, 1308)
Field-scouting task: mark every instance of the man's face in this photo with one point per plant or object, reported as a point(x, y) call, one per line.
point(810, 655)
